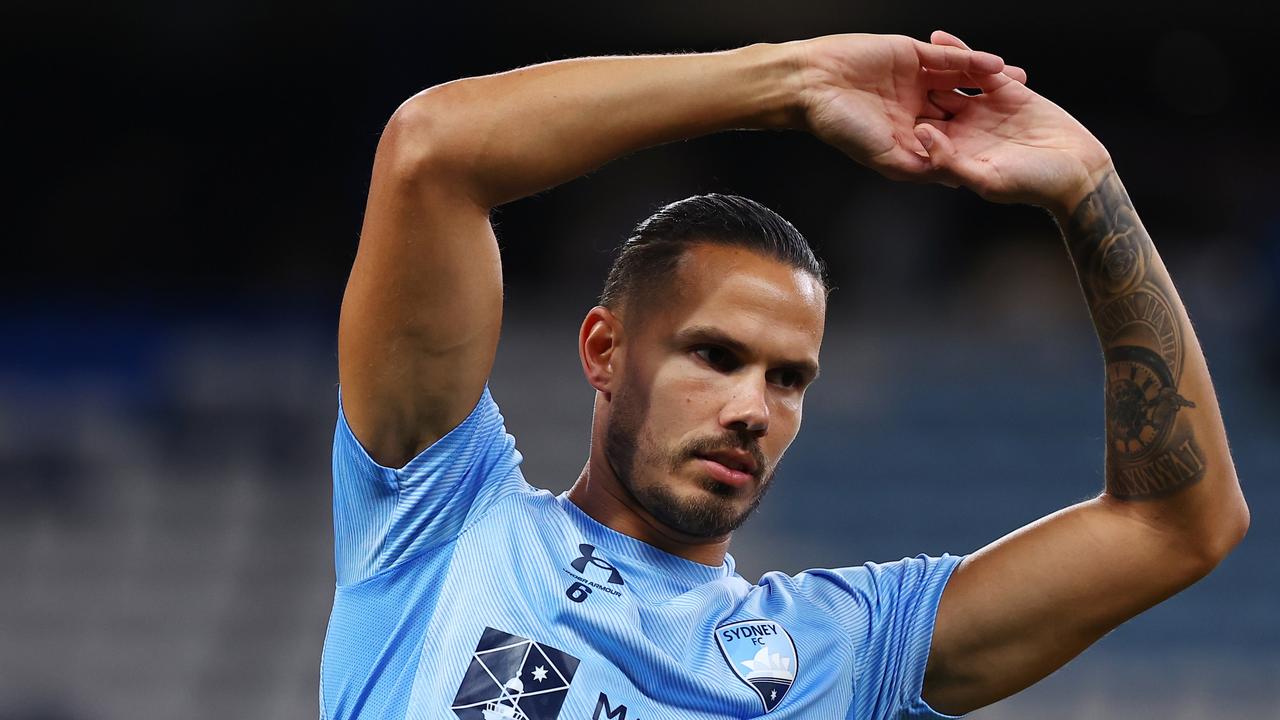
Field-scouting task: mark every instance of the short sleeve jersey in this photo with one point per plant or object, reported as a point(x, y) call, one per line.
point(463, 592)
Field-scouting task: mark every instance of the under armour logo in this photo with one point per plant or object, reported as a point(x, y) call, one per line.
point(588, 556)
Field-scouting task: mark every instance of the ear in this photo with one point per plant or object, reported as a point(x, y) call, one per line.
point(598, 343)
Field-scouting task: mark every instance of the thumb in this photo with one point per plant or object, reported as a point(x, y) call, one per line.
point(941, 151)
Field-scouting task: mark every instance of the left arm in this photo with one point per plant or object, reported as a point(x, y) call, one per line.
point(1023, 606)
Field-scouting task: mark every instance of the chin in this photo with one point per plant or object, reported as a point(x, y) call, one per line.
point(698, 511)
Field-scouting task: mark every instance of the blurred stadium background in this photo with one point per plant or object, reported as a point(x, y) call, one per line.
point(186, 184)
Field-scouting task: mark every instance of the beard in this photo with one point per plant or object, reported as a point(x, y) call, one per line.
point(708, 514)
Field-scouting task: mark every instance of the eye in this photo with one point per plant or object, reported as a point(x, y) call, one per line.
point(787, 378)
point(717, 357)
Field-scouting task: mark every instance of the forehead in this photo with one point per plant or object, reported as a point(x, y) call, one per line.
point(754, 298)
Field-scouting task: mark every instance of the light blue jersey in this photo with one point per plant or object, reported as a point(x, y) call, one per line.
point(463, 592)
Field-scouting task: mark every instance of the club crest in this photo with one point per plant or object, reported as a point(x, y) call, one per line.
point(762, 655)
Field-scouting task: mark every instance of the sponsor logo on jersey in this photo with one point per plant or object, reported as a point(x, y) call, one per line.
point(762, 655)
point(514, 678)
point(587, 556)
point(583, 586)
point(606, 711)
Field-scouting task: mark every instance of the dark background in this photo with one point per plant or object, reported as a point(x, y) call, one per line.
point(184, 191)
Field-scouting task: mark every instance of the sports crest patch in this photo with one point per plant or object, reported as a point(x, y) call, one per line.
point(514, 678)
point(762, 655)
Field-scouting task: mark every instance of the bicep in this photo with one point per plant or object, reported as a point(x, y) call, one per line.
point(423, 305)
point(1022, 607)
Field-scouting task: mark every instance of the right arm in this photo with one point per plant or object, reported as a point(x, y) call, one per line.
point(422, 309)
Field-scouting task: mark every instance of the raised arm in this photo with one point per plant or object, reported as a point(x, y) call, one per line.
point(1172, 508)
point(423, 306)
point(422, 309)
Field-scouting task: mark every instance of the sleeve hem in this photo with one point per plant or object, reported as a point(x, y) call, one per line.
point(392, 474)
point(913, 703)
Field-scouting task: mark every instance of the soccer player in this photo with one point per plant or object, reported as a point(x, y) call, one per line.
point(464, 592)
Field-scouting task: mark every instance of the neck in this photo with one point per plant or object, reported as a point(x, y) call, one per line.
point(600, 494)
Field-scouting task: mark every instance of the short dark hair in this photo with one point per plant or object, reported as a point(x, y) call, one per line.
point(648, 258)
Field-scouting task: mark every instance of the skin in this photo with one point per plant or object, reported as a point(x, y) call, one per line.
point(414, 355)
point(723, 364)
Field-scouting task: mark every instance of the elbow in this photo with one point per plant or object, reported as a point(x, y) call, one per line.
point(1226, 532)
point(1233, 531)
point(418, 141)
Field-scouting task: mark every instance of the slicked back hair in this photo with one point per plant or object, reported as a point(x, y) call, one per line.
point(647, 261)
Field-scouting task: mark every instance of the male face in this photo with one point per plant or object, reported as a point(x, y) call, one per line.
point(711, 386)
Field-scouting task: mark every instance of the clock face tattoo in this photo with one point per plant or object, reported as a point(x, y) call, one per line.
point(1141, 402)
point(1151, 449)
point(1147, 312)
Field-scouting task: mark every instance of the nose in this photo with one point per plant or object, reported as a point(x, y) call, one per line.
point(748, 406)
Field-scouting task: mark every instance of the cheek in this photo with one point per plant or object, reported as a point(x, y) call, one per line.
point(683, 392)
point(788, 407)
point(784, 425)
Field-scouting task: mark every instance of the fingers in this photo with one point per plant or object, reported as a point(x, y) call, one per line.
point(948, 167)
point(933, 111)
point(951, 57)
point(1016, 73)
point(951, 79)
point(901, 163)
point(944, 104)
point(950, 101)
point(942, 37)
point(933, 142)
point(946, 39)
point(946, 80)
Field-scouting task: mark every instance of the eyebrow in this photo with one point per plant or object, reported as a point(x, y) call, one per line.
point(714, 336)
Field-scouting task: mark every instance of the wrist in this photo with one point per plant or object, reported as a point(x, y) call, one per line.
point(1088, 180)
point(777, 72)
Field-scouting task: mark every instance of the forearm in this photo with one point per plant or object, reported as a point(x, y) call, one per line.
point(1166, 457)
point(502, 137)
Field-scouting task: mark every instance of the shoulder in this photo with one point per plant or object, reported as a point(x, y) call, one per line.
point(870, 585)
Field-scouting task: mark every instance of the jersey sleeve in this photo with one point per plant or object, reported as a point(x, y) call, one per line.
point(384, 516)
point(889, 610)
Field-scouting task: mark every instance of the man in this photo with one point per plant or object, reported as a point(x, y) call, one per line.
point(463, 592)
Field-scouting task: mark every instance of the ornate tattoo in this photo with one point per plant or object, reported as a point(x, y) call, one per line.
point(1151, 451)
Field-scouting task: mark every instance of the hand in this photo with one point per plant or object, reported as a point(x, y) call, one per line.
point(1008, 144)
point(865, 94)
point(879, 98)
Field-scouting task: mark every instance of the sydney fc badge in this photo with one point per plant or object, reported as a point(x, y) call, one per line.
point(762, 655)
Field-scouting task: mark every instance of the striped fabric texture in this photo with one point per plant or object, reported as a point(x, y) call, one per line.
point(463, 592)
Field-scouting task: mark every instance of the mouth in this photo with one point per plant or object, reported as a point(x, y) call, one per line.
point(736, 468)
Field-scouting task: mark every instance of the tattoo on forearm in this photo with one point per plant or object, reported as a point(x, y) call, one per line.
point(1151, 451)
